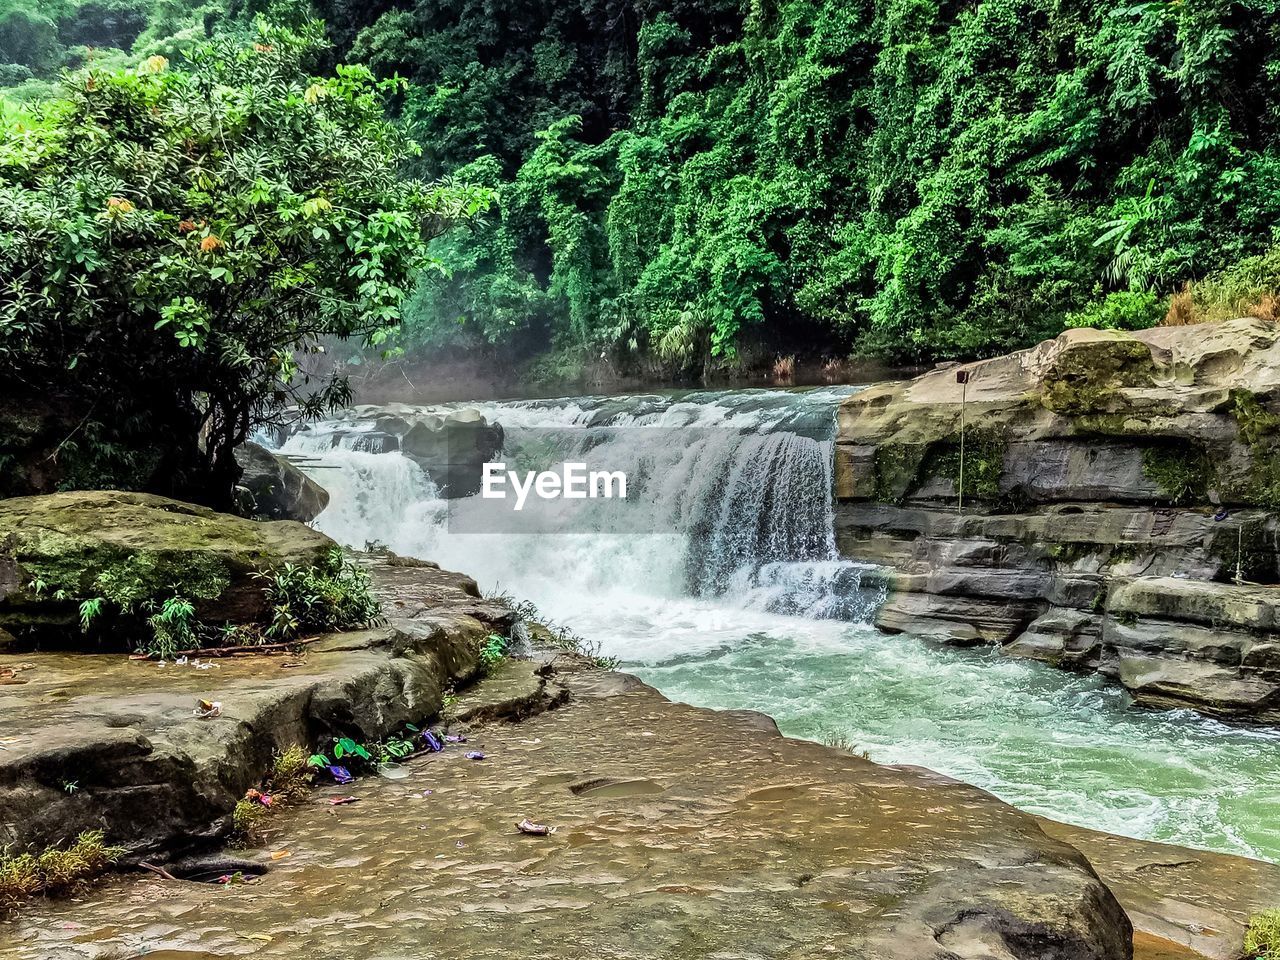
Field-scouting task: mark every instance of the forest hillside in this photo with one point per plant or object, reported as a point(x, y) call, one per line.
point(687, 186)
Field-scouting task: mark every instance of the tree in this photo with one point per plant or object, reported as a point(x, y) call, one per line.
point(172, 242)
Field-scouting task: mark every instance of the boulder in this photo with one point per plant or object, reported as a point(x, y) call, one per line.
point(453, 449)
point(280, 490)
point(136, 548)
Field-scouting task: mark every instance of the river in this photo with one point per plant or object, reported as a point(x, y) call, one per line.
point(718, 582)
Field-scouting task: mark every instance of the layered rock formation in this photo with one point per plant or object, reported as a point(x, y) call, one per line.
point(1118, 506)
point(159, 779)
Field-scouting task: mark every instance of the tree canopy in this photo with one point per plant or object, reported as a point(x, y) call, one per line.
point(909, 179)
point(683, 181)
point(172, 242)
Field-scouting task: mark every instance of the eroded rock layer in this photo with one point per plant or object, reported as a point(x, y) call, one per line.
point(679, 832)
point(1118, 506)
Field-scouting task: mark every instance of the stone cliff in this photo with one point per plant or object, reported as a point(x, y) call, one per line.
point(1118, 510)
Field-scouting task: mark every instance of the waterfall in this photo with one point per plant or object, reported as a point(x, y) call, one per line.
point(729, 500)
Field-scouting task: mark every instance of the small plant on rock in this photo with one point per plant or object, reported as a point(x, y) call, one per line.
point(1262, 938)
point(55, 870)
point(288, 782)
point(492, 651)
point(335, 594)
point(173, 628)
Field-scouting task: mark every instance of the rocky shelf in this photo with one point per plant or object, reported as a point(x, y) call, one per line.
point(707, 830)
point(1118, 512)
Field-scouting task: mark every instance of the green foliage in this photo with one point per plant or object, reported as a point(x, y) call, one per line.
point(1247, 288)
point(333, 595)
point(173, 628)
point(288, 782)
point(54, 871)
point(983, 462)
point(1183, 475)
point(680, 180)
point(1259, 428)
point(1262, 938)
point(172, 241)
point(1121, 310)
point(346, 748)
point(493, 650)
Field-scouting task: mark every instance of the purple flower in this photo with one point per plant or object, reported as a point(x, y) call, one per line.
point(340, 774)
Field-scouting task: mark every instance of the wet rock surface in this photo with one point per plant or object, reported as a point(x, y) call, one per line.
point(105, 742)
point(1119, 509)
point(680, 832)
point(1195, 902)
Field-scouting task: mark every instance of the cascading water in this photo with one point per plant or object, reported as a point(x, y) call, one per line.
point(717, 580)
point(729, 497)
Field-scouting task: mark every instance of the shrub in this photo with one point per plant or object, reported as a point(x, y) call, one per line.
point(55, 871)
point(175, 240)
point(1249, 288)
point(1122, 310)
point(333, 595)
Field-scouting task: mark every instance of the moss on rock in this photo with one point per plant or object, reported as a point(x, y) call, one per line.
point(1087, 378)
point(136, 551)
point(1183, 472)
point(983, 457)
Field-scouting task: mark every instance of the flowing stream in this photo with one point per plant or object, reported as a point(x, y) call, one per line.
point(718, 581)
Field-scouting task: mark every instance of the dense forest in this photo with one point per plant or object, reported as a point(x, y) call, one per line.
point(692, 185)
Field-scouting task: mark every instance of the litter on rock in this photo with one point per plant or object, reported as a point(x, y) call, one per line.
point(280, 855)
point(339, 801)
point(432, 741)
point(475, 755)
point(339, 773)
point(456, 738)
point(207, 709)
point(534, 829)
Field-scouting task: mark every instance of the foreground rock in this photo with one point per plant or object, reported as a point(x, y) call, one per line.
point(1192, 900)
point(279, 490)
point(679, 832)
point(1116, 487)
point(142, 767)
point(130, 548)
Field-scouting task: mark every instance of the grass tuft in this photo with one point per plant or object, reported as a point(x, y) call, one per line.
point(1262, 938)
point(288, 782)
point(55, 870)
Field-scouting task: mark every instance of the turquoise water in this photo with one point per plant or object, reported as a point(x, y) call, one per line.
point(1067, 747)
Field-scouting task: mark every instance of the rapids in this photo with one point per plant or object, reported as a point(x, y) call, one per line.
point(718, 581)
